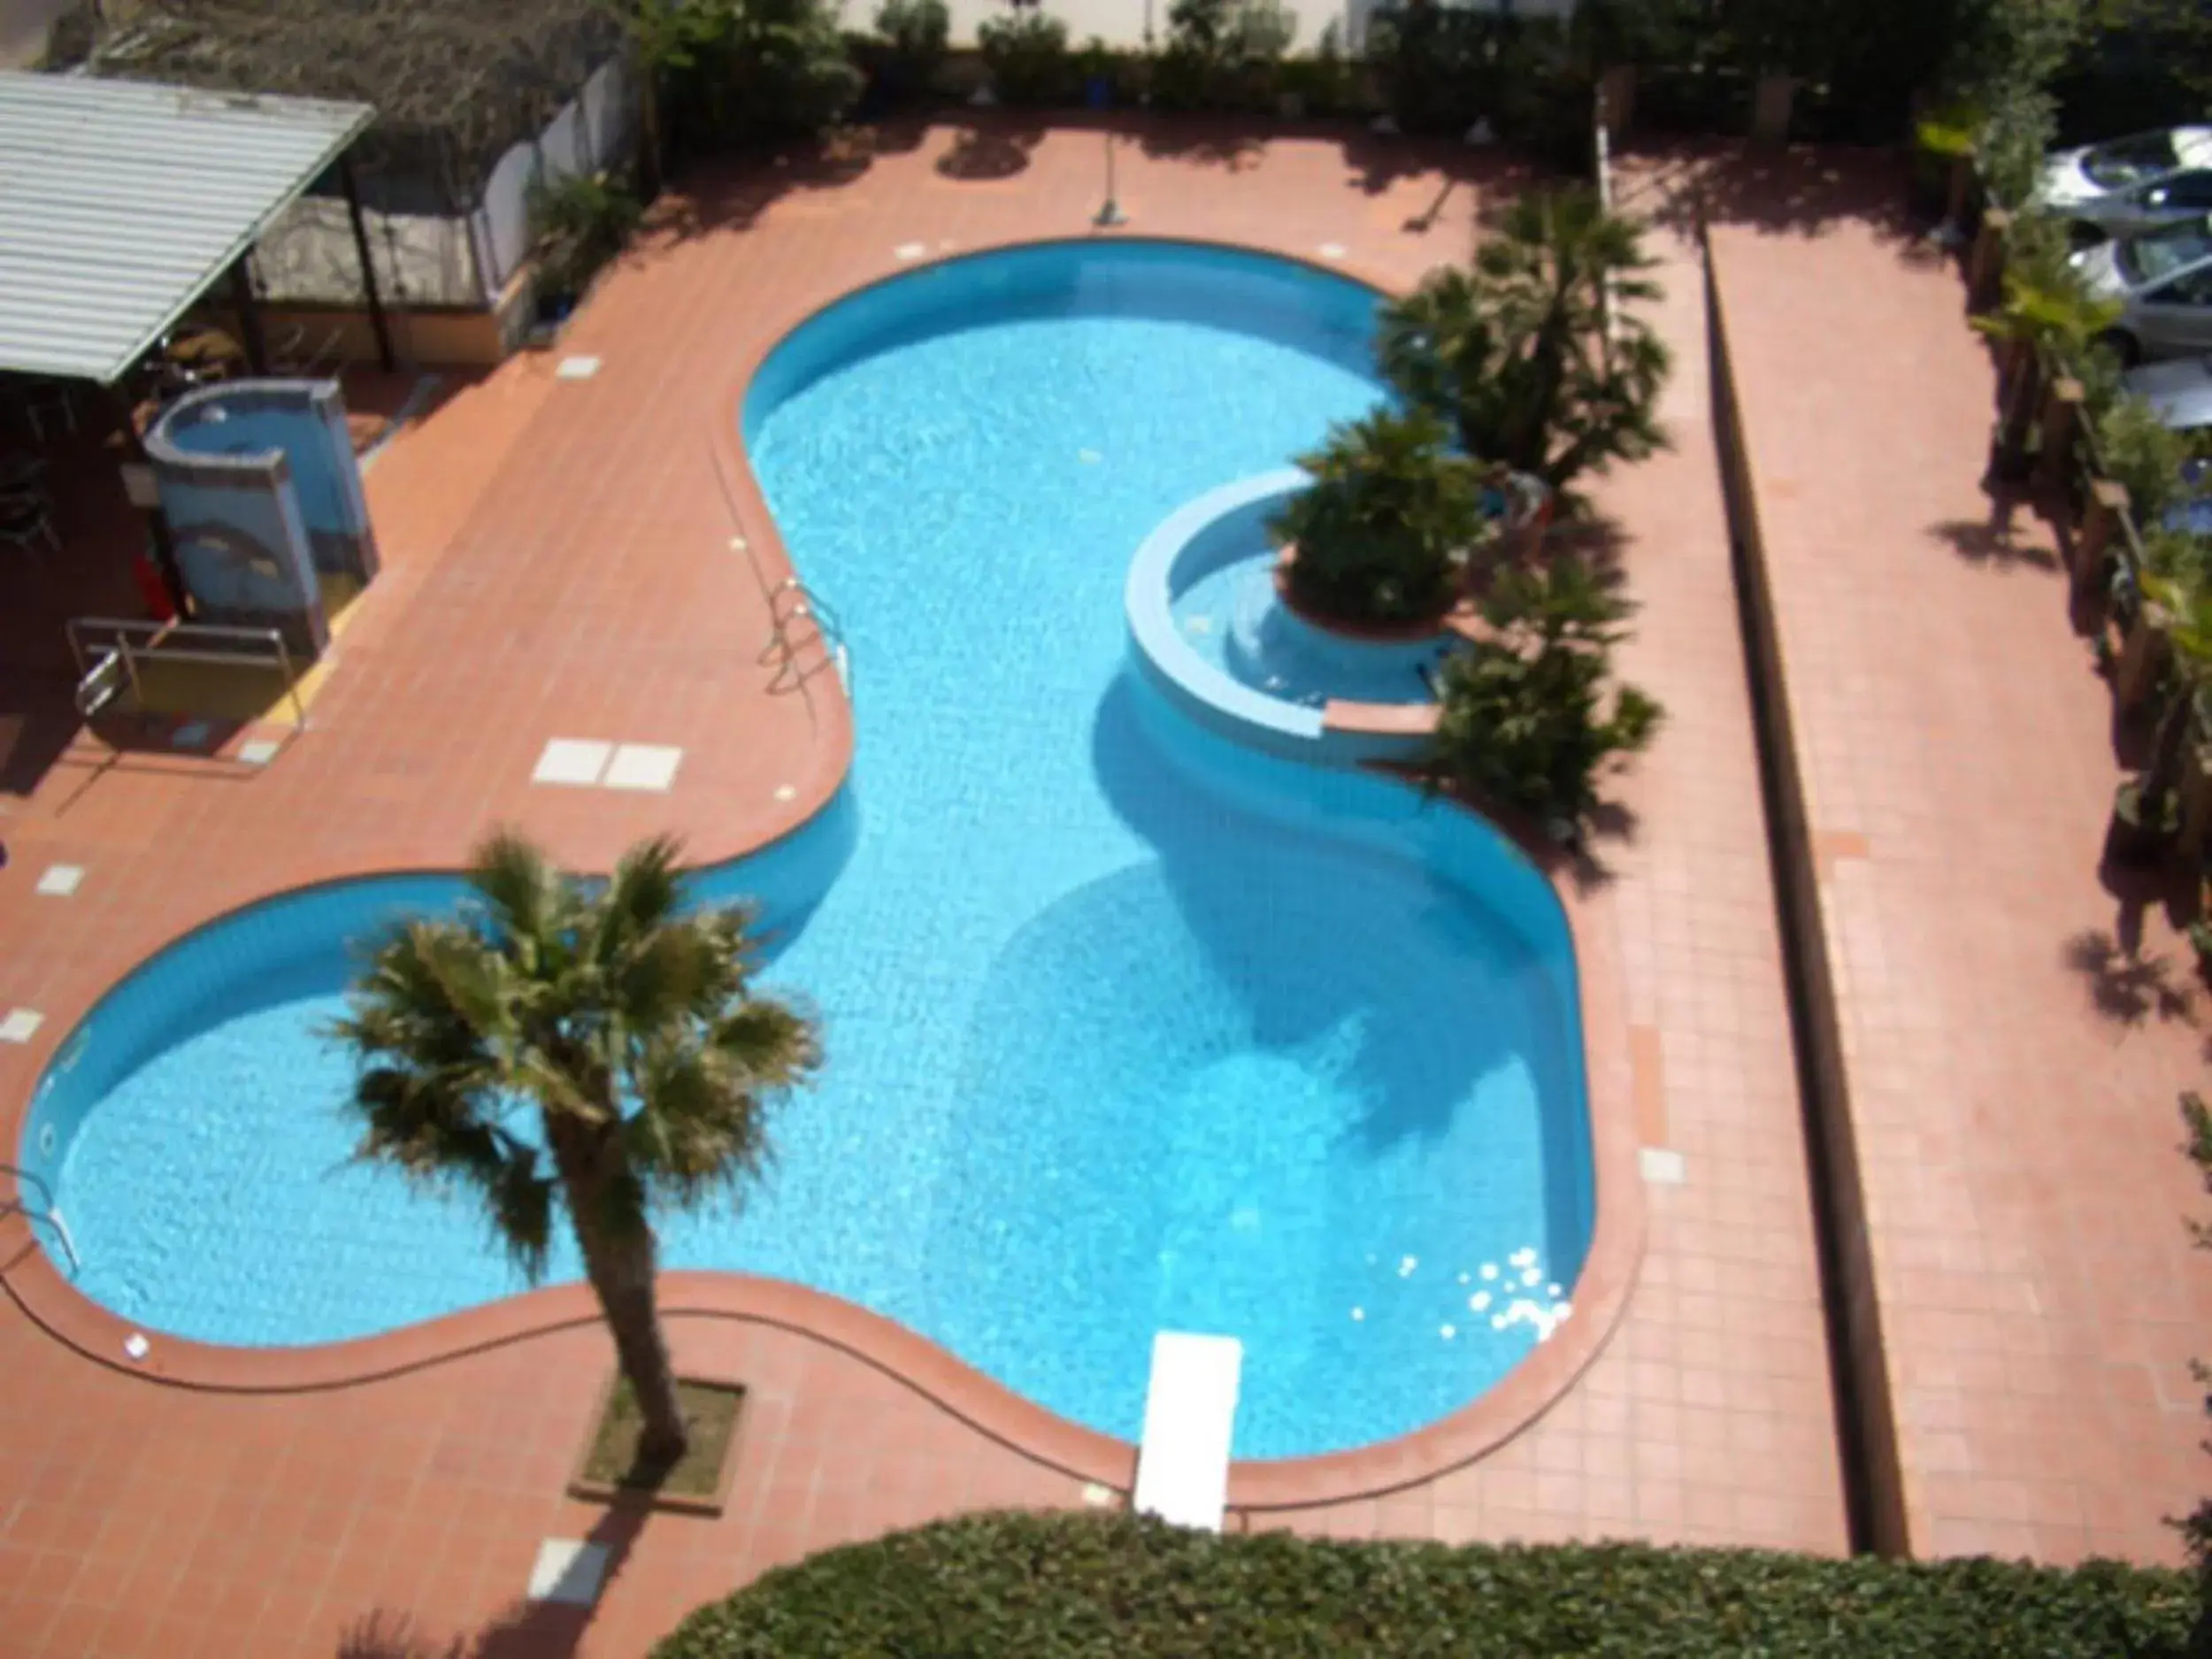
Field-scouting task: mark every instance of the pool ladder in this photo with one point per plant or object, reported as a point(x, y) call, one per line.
point(50, 1215)
point(799, 621)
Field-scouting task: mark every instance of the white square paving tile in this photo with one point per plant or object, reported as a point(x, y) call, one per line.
point(643, 766)
point(907, 250)
point(568, 1570)
point(61, 881)
point(576, 762)
point(260, 752)
point(576, 369)
point(1663, 1166)
point(21, 1024)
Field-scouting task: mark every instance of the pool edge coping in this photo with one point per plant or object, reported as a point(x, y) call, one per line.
point(1515, 1402)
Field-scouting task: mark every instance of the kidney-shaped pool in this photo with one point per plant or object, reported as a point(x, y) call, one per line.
point(1129, 1028)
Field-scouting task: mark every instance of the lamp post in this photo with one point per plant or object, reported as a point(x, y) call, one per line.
point(1100, 95)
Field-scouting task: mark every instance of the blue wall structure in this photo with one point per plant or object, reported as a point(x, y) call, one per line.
point(263, 495)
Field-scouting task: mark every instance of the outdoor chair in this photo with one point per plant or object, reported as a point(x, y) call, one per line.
point(290, 353)
point(25, 522)
point(42, 405)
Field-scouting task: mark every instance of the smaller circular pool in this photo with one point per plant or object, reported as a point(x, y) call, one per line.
point(1233, 617)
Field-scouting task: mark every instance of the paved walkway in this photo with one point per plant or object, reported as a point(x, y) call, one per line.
point(2012, 1070)
point(561, 565)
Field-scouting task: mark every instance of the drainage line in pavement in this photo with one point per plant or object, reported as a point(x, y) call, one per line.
point(1866, 1423)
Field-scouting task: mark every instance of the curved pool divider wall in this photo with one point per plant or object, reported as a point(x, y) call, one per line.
point(263, 493)
point(280, 948)
point(1391, 819)
point(1315, 310)
point(1197, 539)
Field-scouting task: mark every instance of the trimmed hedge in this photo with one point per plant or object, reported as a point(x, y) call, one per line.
point(1089, 1587)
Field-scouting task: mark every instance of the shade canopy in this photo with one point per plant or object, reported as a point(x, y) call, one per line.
point(121, 203)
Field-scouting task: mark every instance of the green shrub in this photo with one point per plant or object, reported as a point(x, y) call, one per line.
point(915, 32)
point(1385, 527)
point(2143, 454)
point(1221, 54)
point(582, 222)
point(1026, 54)
point(1086, 1587)
point(1523, 718)
point(737, 71)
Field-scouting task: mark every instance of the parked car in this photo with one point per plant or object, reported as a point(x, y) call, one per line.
point(2180, 391)
point(2132, 184)
point(2163, 283)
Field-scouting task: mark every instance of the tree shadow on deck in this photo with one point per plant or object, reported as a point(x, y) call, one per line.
point(525, 1630)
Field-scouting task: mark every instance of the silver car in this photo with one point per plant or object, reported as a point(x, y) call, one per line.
point(2132, 184)
point(2163, 283)
point(2180, 391)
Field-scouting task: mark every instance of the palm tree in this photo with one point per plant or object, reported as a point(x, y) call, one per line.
point(1532, 352)
point(1387, 525)
point(1522, 717)
point(626, 1023)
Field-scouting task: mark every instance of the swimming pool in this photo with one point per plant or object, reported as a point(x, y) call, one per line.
point(1129, 1028)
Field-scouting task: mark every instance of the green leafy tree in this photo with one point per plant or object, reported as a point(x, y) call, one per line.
point(736, 71)
point(1513, 350)
point(1026, 53)
point(1529, 716)
point(917, 32)
point(618, 1026)
point(1388, 524)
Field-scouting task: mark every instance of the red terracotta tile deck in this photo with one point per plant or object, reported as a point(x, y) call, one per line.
point(560, 562)
point(2012, 1068)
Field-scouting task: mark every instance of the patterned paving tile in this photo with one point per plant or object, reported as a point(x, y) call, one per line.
point(562, 562)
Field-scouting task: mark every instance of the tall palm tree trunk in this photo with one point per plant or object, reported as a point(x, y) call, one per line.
point(621, 1270)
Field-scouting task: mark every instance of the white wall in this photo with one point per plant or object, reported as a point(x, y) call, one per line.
point(1123, 22)
point(590, 131)
point(428, 259)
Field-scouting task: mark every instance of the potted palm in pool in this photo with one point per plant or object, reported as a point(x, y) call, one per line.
point(1381, 539)
point(589, 1052)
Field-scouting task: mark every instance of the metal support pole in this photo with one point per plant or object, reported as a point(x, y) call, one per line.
point(1109, 213)
point(248, 307)
point(377, 320)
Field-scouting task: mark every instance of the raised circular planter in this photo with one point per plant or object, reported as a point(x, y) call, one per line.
point(1222, 527)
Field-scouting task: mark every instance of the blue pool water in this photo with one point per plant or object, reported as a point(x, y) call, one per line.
point(1128, 1028)
point(1234, 618)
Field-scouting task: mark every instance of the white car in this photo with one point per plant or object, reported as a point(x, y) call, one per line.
point(2163, 283)
point(2131, 184)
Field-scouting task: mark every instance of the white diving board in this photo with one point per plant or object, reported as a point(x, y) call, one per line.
point(1190, 1411)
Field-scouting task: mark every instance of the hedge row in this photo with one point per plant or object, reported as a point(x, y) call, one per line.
point(1077, 1586)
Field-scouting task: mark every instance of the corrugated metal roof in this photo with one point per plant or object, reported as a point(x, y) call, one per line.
point(121, 202)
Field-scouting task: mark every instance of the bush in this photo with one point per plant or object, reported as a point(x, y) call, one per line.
point(582, 222)
point(1386, 526)
point(915, 32)
point(735, 71)
point(2144, 455)
point(1026, 54)
point(1522, 718)
point(1086, 1587)
point(1222, 54)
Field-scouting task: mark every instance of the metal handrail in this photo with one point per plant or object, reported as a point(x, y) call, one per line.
point(828, 627)
point(50, 1214)
point(95, 686)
